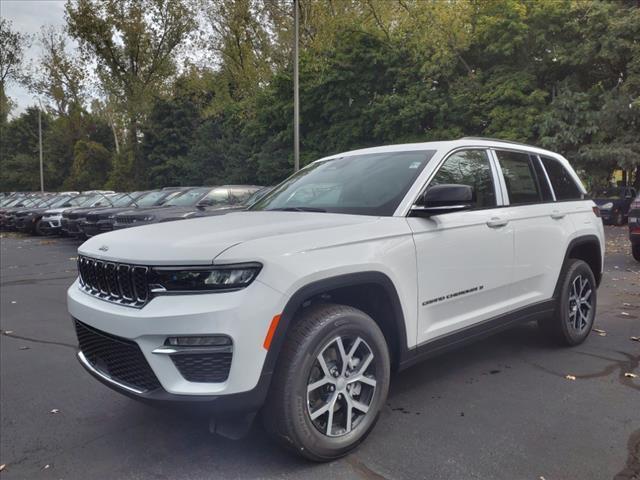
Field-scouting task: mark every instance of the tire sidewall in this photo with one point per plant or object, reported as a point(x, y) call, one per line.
point(355, 324)
point(577, 267)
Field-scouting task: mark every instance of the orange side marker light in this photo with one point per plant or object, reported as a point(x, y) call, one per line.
point(271, 332)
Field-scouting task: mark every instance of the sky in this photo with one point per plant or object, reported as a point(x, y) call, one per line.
point(28, 16)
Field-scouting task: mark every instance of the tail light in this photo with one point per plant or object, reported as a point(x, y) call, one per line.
point(596, 211)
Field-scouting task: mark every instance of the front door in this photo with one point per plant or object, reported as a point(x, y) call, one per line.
point(464, 258)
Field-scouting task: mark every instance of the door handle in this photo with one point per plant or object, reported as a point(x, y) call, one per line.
point(556, 215)
point(497, 222)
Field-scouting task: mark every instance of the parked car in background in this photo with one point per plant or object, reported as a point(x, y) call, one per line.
point(28, 220)
point(71, 218)
point(634, 227)
point(9, 215)
point(51, 222)
point(222, 210)
point(186, 205)
point(614, 203)
point(101, 220)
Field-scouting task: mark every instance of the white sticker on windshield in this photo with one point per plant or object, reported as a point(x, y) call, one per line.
point(415, 165)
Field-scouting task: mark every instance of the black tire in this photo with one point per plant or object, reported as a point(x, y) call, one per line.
point(572, 321)
point(37, 229)
point(635, 251)
point(288, 410)
point(618, 218)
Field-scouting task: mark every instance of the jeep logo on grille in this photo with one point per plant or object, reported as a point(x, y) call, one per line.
point(103, 248)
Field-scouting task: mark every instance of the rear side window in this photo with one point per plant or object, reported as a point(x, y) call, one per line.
point(543, 183)
point(469, 167)
point(563, 184)
point(520, 177)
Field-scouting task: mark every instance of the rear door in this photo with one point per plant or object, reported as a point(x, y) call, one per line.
point(464, 259)
point(541, 226)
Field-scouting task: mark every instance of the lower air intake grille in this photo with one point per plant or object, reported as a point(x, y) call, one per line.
point(119, 358)
point(203, 367)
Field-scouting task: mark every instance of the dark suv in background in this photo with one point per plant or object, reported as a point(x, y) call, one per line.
point(101, 220)
point(193, 202)
point(614, 203)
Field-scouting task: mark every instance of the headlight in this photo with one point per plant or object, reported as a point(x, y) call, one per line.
point(202, 279)
point(188, 214)
point(607, 206)
point(147, 218)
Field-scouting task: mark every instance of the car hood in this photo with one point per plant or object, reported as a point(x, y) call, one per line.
point(200, 240)
point(107, 211)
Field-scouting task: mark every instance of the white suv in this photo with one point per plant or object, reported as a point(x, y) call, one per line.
point(360, 264)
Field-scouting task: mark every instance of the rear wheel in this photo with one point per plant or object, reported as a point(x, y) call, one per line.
point(618, 218)
point(576, 306)
point(331, 383)
point(635, 250)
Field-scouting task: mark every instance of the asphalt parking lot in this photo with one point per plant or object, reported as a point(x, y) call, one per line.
point(499, 409)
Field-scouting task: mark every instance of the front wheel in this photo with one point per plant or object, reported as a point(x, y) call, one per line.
point(635, 250)
point(576, 306)
point(331, 382)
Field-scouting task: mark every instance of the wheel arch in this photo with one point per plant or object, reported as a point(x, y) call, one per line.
point(371, 291)
point(586, 248)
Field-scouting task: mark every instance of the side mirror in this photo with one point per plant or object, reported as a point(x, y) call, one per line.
point(445, 198)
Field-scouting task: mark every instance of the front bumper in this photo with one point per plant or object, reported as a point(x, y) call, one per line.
point(243, 315)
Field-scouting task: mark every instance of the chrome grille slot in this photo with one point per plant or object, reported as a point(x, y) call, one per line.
point(140, 284)
point(112, 280)
point(124, 279)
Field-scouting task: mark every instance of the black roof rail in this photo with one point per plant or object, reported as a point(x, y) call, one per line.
point(489, 139)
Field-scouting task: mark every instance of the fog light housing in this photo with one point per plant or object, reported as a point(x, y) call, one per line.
point(200, 341)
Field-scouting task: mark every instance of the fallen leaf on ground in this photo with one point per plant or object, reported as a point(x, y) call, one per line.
point(54, 411)
point(2, 467)
point(630, 375)
point(602, 333)
point(25, 348)
point(625, 304)
point(570, 377)
point(47, 466)
point(13, 301)
point(625, 314)
point(635, 339)
point(8, 332)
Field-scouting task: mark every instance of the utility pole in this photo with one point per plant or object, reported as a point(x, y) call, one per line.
point(296, 96)
point(40, 141)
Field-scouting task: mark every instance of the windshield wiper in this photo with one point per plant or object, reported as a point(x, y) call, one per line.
point(297, 209)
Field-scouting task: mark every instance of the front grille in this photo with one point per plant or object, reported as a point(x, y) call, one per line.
point(203, 367)
point(126, 219)
point(119, 358)
point(72, 216)
point(93, 217)
point(115, 282)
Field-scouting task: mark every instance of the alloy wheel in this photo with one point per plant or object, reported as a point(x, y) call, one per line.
point(580, 304)
point(341, 385)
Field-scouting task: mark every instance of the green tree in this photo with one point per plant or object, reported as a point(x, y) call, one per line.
point(134, 44)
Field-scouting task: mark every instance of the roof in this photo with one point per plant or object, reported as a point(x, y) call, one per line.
point(444, 145)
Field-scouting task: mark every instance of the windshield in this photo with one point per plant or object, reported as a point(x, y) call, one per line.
point(90, 200)
point(367, 184)
point(151, 199)
point(125, 199)
point(59, 201)
point(188, 198)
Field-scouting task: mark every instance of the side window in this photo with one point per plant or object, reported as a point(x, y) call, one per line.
point(469, 167)
point(563, 184)
point(543, 183)
point(520, 177)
